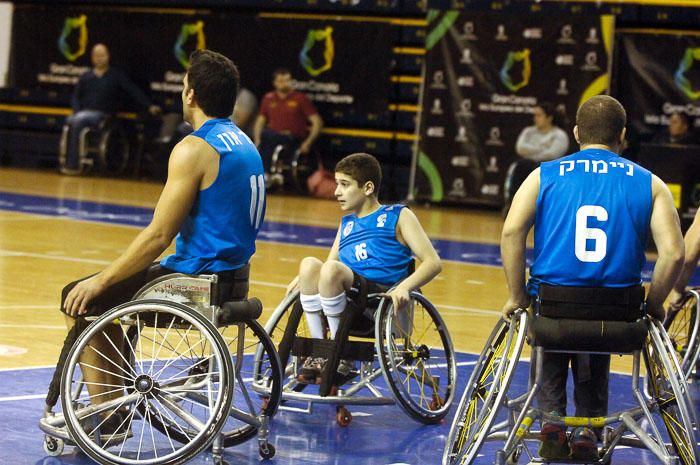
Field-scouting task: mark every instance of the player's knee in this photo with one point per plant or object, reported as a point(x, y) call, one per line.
point(310, 267)
point(332, 276)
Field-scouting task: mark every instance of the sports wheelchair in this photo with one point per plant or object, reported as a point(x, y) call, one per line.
point(105, 147)
point(575, 320)
point(412, 350)
point(683, 327)
point(290, 168)
point(185, 378)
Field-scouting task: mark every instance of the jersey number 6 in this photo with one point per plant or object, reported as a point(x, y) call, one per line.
point(584, 234)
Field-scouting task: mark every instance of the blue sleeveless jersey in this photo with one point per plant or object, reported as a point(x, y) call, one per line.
point(592, 221)
point(219, 232)
point(369, 246)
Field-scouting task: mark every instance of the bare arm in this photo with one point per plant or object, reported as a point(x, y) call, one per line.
point(410, 232)
point(314, 132)
point(260, 123)
point(181, 187)
point(692, 254)
point(666, 231)
point(520, 219)
point(334, 253)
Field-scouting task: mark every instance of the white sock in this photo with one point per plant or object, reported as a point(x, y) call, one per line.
point(333, 307)
point(312, 310)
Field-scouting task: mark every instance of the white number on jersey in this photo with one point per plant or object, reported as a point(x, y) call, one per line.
point(361, 251)
point(257, 199)
point(584, 233)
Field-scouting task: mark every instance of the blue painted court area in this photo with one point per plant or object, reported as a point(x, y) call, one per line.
point(286, 233)
point(377, 435)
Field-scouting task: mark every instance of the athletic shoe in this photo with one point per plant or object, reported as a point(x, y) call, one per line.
point(346, 367)
point(554, 443)
point(312, 368)
point(584, 444)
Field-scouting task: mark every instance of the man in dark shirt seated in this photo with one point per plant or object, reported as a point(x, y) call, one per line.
point(679, 131)
point(97, 96)
point(287, 117)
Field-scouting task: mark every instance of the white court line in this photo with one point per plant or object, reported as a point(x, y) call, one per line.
point(29, 397)
point(34, 326)
point(26, 307)
point(13, 253)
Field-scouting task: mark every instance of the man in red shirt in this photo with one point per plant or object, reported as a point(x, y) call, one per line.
point(286, 117)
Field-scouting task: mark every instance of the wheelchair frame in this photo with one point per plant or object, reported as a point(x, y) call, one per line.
point(298, 170)
point(104, 133)
point(169, 404)
point(362, 391)
point(487, 393)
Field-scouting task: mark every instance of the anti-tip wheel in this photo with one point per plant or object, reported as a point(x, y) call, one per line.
point(53, 446)
point(267, 450)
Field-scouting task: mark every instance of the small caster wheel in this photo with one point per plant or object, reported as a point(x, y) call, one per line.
point(514, 456)
point(220, 461)
point(267, 451)
point(53, 446)
point(343, 416)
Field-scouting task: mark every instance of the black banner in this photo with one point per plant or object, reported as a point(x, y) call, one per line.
point(485, 73)
point(658, 74)
point(338, 62)
point(655, 76)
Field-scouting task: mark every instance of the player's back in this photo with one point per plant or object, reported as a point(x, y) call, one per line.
point(592, 221)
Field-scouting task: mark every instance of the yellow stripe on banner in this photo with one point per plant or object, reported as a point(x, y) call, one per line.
point(658, 31)
point(164, 11)
point(686, 3)
point(403, 107)
point(35, 110)
point(60, 111)
point(409, 79)
point(409, 51)
point(369, 133)
point(319, 17)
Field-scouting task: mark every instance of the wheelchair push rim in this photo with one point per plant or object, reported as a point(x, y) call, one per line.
point(176, 357)
point(486, 390)
point(683, 328)
point(417, 358)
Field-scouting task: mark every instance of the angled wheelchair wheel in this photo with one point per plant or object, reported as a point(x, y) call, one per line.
point(113, 150)
point(258, 386)
point(486, 390)
point(683, 327)
point(670, 392)
point(146, 380)
point(417, 358)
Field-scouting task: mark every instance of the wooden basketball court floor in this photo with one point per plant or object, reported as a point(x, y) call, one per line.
point(54, 229)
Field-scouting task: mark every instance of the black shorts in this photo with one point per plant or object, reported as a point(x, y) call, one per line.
point(370, 287)
point(231, 285)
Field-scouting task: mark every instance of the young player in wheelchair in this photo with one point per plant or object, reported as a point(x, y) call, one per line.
point(371, 260)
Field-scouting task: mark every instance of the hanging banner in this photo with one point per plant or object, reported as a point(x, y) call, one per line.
point(339, 63)
point(658, 74)
point(485, 74)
